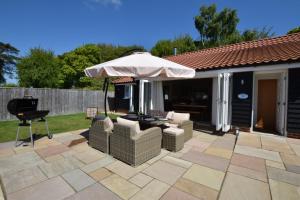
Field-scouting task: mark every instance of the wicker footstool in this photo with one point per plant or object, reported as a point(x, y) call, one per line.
point(173, 139)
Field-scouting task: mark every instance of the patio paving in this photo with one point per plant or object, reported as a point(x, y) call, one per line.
point(209, 167)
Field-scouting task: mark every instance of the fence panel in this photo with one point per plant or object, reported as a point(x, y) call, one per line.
point(58, 101)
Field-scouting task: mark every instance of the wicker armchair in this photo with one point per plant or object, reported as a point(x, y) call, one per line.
point(182, 121)
point(99, 137)
point(132, 148)
point(187, 126)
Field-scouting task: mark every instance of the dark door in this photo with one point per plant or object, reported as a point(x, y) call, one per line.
point(266, 105)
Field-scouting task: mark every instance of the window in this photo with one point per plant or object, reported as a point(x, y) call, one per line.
point(126, 91)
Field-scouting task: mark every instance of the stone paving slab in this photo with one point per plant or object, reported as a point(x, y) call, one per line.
point(175, 194)
point(68, 138)
point(258, 175)
point(197, 190)
point(260, 153)
point(165, 172)
point(55, 188)
point(279, 165)
point(251, 140)
point(283, 176)
point(1, 194)
point(205, 176)
point(54, 158)
point(296, 148)
point(94, 192)
point(281, 190)
point(6, 152)
point(224, 153)
point(15, 181)
point(23, 149)
point(207, 160)
point(98, 164)
point(238, 187)
point(100, 174)
point(124, 170)
point(89, 155)
point(120, 186)
point(154, 190)
point(224, 143)
point(162, 154)
point(249, 162)
point(141, 179)
point(52, 150)
point(289, 159)
point(197, 143)
point(19, 161)
point(203, 137)
point(178, 162)
point(293, 168)
point(7, 145)
point(78, 179)
point(60, 166)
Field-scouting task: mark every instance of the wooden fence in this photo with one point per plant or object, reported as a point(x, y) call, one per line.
point(58, 101)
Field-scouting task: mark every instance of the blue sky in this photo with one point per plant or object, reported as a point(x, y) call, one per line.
point(62, 25)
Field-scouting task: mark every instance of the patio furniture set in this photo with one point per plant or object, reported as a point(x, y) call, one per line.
point(135, 139)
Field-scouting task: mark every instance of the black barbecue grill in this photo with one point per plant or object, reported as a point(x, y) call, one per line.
point(25, 109)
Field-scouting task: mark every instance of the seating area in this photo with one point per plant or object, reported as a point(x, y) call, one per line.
point(125, 141)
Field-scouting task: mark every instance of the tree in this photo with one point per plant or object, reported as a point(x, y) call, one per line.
point(255, 34)
point(74, 62)
point(294, 30)
point(40, 68)
point(8, 58)
point(183, 44)
point(214, 27)
point(220, 28)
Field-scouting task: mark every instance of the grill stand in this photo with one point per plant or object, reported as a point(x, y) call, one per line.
point(24, 123)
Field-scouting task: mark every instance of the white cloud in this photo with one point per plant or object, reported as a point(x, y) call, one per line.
point(114, 3)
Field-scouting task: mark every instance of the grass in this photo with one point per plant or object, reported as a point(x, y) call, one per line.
point(57, 124)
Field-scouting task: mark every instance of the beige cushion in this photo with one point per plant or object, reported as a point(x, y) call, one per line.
point(133, 125)
point(178, 118)
point(171, 125)
point(170, 115)
point(108, 124)
point(174, 131)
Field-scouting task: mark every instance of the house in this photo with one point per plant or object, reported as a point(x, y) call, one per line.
point(251, 85)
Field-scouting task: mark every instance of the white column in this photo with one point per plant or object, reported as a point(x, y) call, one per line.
point(226, 103)
point(223, 102)
point(131, 106)
point(141, 96)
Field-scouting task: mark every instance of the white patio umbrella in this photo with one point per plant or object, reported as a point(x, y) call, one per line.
point(138, 65)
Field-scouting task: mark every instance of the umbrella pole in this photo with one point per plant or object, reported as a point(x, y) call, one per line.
point(105, 86)
point(105, 95)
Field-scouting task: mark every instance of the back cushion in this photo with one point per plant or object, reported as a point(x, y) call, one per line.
point(170, 115)
point(180, 117)
point(133, 125)
point(108, 124)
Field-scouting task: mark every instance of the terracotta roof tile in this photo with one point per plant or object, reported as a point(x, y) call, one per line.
point(279, 49)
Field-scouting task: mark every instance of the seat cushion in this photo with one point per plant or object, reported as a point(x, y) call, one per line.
point(178, 118)
point(108, 124)
point(174, 131)
point(171, 125)
point(133, 125)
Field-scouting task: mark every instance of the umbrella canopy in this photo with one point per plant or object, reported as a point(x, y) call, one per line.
point(141, 65)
